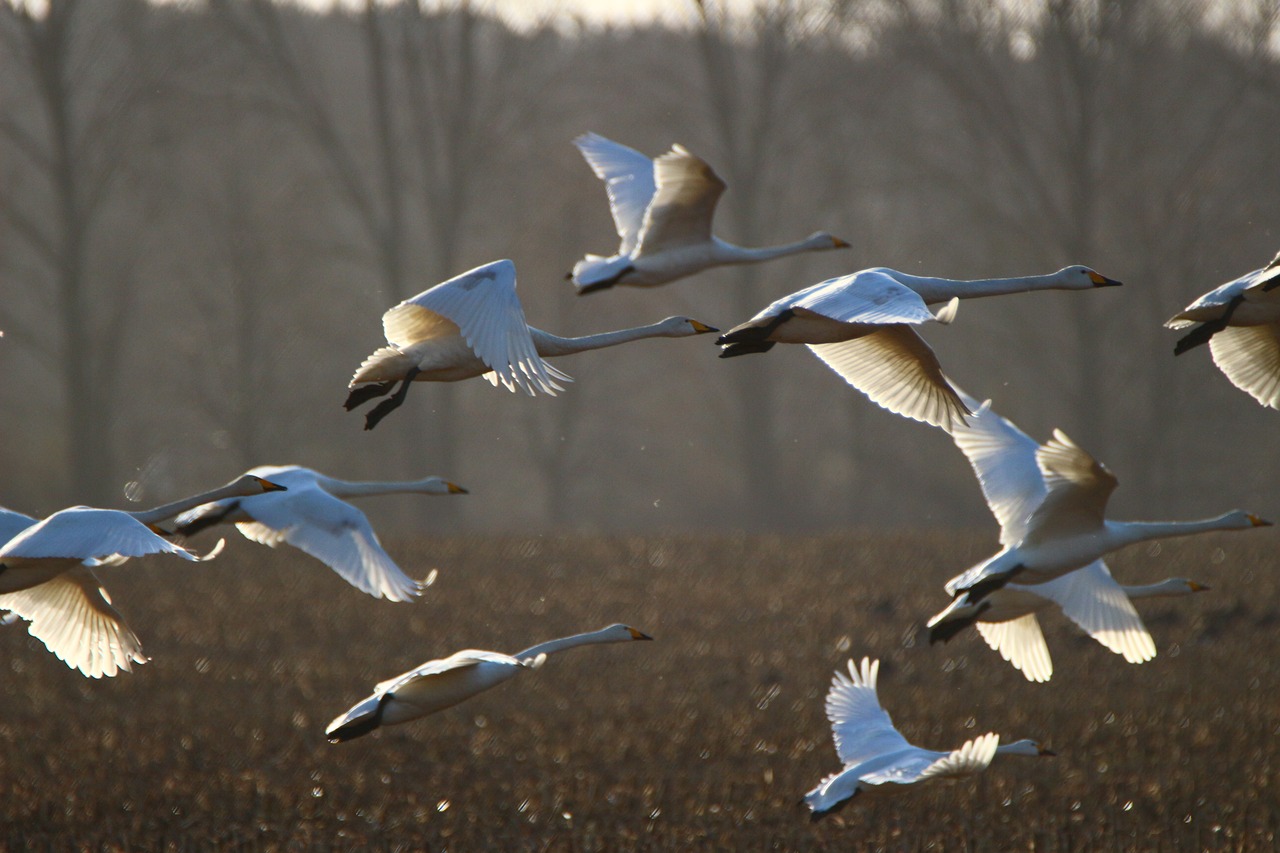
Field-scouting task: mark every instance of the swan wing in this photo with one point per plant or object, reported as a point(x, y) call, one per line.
point(1004, 459)
point(1092, 599)
point(972, 757)
point(72, 615)
point(1250, 357)
point(483, 306)
point(860, 726)
point(628, 178)
point(1078, 487)
point(84, 533)
point(12, 523)
point(335, 533)
point(457, 661)
point(684, 203)
point(1021, 643)
point(868, 296)
point(896, 369)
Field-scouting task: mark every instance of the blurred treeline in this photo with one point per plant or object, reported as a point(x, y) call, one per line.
point(205, 208)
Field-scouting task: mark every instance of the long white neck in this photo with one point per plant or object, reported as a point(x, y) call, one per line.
point(729, 253)
point(934, 290)
point(164, 511)
point(1171, 587)
point(360, 488)
point(549, 345)
point(1129, 532)
point(604, 635)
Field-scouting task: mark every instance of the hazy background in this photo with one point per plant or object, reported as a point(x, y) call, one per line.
point(206, 207)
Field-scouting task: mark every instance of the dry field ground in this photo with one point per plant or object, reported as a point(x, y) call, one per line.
point(703, 740)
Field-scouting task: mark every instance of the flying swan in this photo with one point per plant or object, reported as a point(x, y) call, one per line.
point(662, 210)
point(861, 326)
point(46, 576)
point(312, 516)
point(1241, 322)
point(878, 759)
point(1090, 597)
point(473, 325)
point(443, 683)
point(1050, 501)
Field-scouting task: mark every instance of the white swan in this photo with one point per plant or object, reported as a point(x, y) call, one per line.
point(861, 326)
point(1241, 322)
point(46, 577)
point(1090, 597)
point(662, 210)
point(440, 684)
point(473, 325)
point(1050, 501)
point(312, 516)
point(877, 758)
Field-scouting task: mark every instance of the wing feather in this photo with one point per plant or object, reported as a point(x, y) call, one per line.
point(629, 180)
point(897, 370)
point(860, 726)
point(684, 203)
point(1021, 643)
point(1092, 599)
point(972, 757)
point(1250, 357)
point(72, 615)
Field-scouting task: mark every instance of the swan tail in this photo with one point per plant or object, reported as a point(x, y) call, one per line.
point(594, 272)
point(386, 364)
point(358, 721)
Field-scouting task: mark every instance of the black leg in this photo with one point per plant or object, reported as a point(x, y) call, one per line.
point(605, 284)
point(1201, 334)
point(985, 587)
point(389, 405)
point(365, 393)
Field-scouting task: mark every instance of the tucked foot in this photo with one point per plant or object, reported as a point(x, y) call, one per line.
point(366, 392)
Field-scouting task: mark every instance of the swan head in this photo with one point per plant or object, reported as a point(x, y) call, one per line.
point(1238, 519)
point(251, 484)
point(683, 327)
point(619, 633)
point(1026, 746)
point(441, 486)
point(1079, 277)
point(823, 240)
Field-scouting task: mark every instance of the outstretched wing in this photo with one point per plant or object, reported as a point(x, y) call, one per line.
point(859, 724)
point(483, 307)
point(1078, 489)
point(684, 203)
point(628, 178)
point(1004, 459)
point(1250, 357)
point(335, 533)
point(1020, 642)
point(897, 370)
point(1092, 599)
point(72, 615)
point(84, 533)
point(972, 757)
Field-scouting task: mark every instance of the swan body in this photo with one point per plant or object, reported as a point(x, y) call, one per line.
point(877, 758)
point(1050, 501)
point(312, 516)
point(46, 576)
point(474, 325)
point(862, 326)
point(1240, 320)
point(663, 209)
point(440, 684)
point(1090, 597)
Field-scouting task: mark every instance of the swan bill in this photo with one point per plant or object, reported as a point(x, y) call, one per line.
point(1100, 280)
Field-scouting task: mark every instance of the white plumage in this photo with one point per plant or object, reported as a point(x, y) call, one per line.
point(312, 517)
point(663, 210)
point(440, 684)
point(1241, 322)
point(1050, 501)
point(473, 325)
point(862, 326)
point(875, 755)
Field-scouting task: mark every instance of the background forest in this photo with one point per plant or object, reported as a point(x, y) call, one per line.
point(206, 207)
